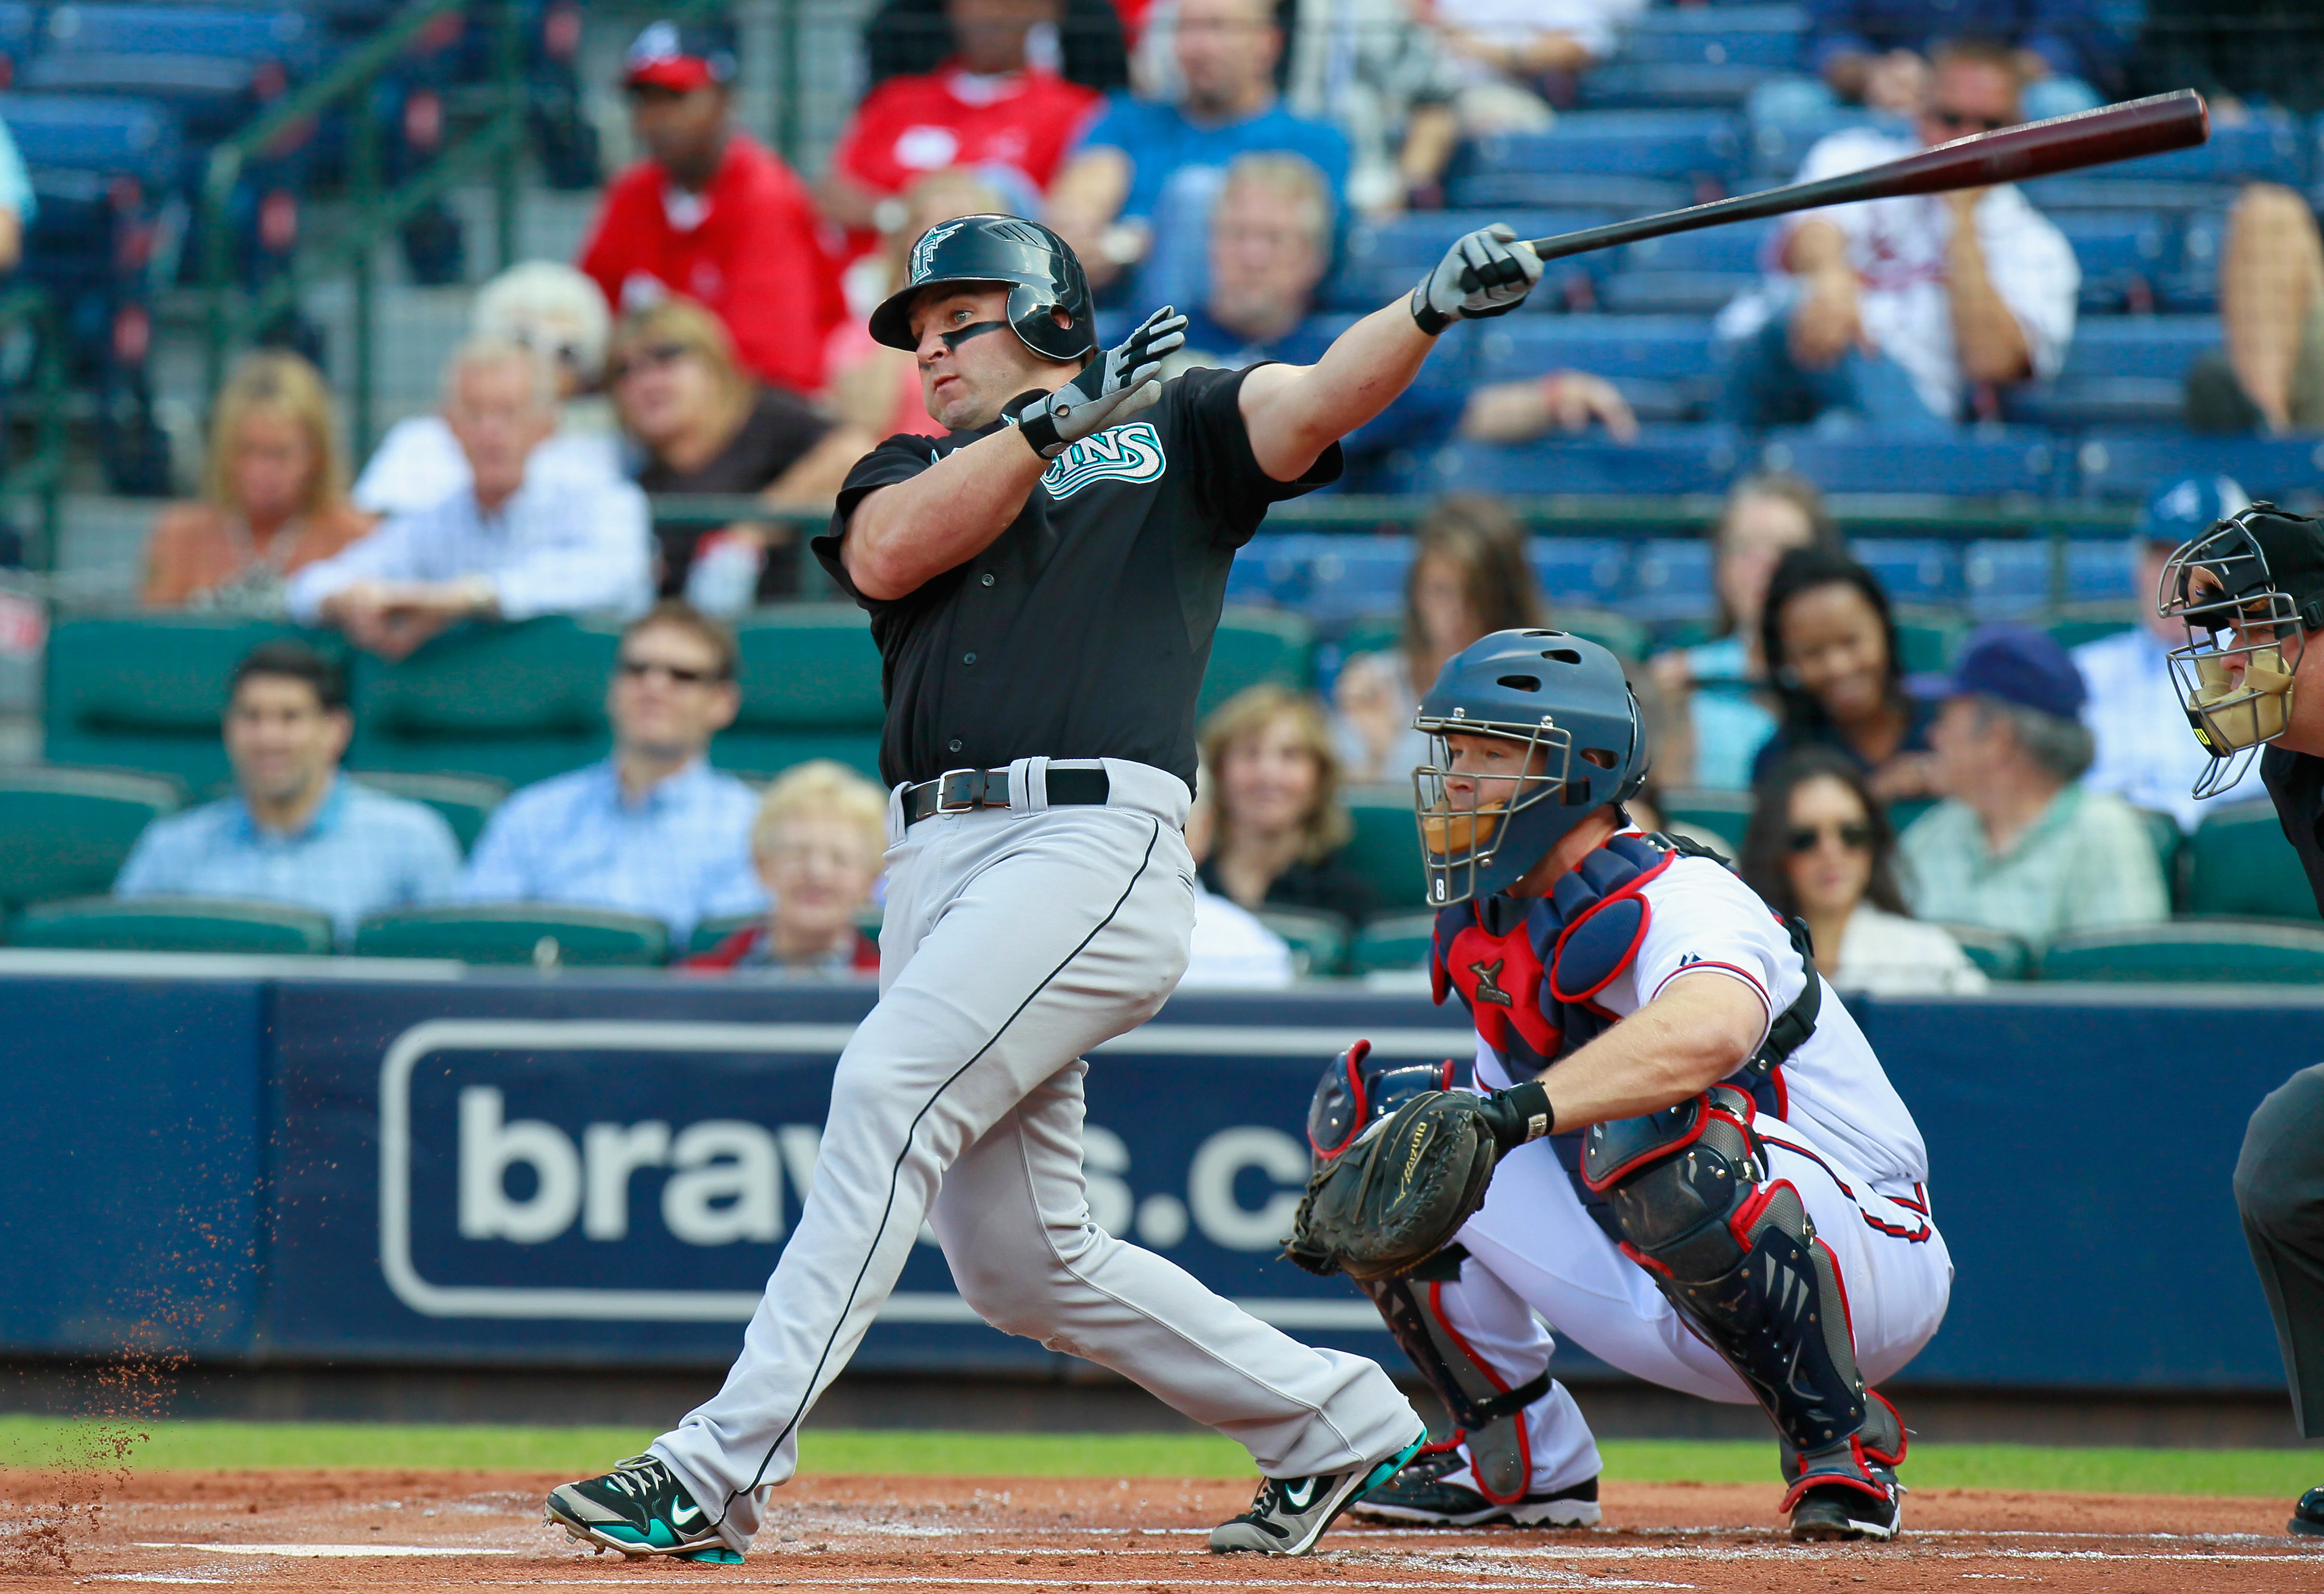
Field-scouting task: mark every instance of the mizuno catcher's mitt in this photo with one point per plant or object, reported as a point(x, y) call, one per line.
point(1400, 1194)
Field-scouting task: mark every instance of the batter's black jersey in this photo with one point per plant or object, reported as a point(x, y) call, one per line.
point(1082, 631)
point(2296, 781)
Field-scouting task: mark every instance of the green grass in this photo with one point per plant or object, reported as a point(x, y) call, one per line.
point(30, 1442)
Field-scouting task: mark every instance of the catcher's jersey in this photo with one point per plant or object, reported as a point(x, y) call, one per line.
point(1701, 919)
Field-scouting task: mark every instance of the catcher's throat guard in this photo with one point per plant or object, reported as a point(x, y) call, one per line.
point(2248, 590)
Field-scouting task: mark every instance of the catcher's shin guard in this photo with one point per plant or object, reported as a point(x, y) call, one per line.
point(1487, 1412)
point(1735, 1253)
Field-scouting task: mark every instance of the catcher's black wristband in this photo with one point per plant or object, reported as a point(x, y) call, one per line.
point(1039, 430)
point(1424, 316)
point(1519, 1114)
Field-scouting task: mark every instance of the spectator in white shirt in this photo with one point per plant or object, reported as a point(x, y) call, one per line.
point(1506, 52)
point(559, 314)
point(1900, 312)
point(506, 547)
point(2144, 754)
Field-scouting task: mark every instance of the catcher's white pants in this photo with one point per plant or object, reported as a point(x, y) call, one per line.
point(1014, 940)
point(1533, 1249)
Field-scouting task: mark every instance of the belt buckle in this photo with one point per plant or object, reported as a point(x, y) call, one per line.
point(971, 784)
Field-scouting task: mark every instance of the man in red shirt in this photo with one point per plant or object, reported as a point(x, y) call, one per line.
point(988, 107)
point(713, 214)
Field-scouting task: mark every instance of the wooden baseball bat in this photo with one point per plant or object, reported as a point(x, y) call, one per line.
point(2175, 121)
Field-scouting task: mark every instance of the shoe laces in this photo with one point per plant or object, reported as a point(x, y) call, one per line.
point(637, 1476)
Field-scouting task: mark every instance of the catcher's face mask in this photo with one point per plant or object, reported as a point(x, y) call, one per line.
point(2244, 638)
point(1474, 792)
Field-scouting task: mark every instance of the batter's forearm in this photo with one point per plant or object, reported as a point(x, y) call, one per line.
point(1699, 1029)
point(901, 537)
point(1294, 412)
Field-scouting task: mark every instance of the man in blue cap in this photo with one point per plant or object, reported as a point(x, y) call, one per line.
point(2145, 755)
point(2020, 844)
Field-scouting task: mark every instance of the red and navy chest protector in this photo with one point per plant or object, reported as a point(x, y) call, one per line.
point(1530, 970)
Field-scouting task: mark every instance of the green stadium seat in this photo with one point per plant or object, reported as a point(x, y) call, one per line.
point(174, 924)
point(66, 832)
point(2163, 830)
point(1393, 941)
point(1928, 640)
point(2212, 951)
point(2238, 865)
point(2002, 955)
point(1618, 634)
point(1904, 810)
point(710, 931)
point(810, 681)
point(1385, 848)
point(1255, 645)
point(513, 703)
point(147, 693)
point(2074, 629)
point(542, 934)
point(1724, 813)
point(1319, 940)
point(466, 801)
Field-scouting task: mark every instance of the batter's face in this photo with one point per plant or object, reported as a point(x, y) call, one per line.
point(965, 380)
point(1828, 850)
point(668, 696)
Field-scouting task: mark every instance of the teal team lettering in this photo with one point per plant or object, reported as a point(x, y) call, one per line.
point(1132, 453)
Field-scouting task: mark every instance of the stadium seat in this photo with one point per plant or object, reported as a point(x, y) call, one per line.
point(66, 832)
point(1318, 940)
point(1914, 570)
point(2193, 285)
point(464, 801)
point(540, 934)
point(1383, 260)
point(1662, 86)
point(147, 693)
point(2220, 951)
point(1619, 635)
point(1587, 571)
point(2002, 955)
point(2265, 146)
point(1563, 191)
point(1256, 645)
point(1928, 641)
point(1664, 364)
point(2139, 345)
point(1985, 462)
point(173, 924)
point(2123, 255)
point(1687, 273)
point(2101, 572)
point(1904, 811)
point(2077, 626)
point(710, 931)
point(1385, 848)
point(2239, 865)
point(1726, 815)
point(1329, 578)
point(1671, 581)
point(2006, 579)
point(809, 674)
point(137, 138)
point(544, 713)
point(284, 34)
point(2126, 466)
point(1778, 149)
point(2167, 840)
point(1393, 941)
point(1665, 459)
point(2054, 196)
point(1756, 35)
point(1688, 146)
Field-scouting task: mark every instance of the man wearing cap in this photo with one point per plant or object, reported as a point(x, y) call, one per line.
point(2249, 591)
point(2145, 755)
point(2021, 843)
point(1044, 583)
point(713, 214)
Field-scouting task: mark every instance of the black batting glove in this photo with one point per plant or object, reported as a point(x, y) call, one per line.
point(1487, 274)
point(1112, 389)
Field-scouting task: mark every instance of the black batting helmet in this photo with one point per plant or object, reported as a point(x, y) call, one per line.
point(1035, 265)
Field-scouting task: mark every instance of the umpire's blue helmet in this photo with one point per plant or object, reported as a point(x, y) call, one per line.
point(1565, 702)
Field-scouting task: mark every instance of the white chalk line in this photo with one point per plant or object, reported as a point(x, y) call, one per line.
point(334, 1552)
point(1174, 1582)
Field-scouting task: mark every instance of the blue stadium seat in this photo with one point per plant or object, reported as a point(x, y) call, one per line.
point(1981, 463)
point(280, 34)
point(2266, 147)
point(1672, 581)
point(1652, 86)
point(2140, 346)
point(1776, 149)
point(2123, 255)
point(2126, 464)
point(2101, 573)
point(2193, 284)
point(2006, 580)
point(1587, 571)
point(1688, 145)
point(1914, 569)
point(1381, 260)
point(1566, 190)
point(2120, 372)
point(136, 138)
point(1764, 36)
point(20, 28)
point(1663, 364)
point(2054, 196)
point(1665, 459)
point(1687, 272)
point(1331, 579)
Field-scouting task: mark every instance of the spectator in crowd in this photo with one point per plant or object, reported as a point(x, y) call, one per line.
point(1512, 58)
point(989, 107)
point(2243, 54)
point(1375, 69)
point(1277, 824)
point(295, 830)
point(1232, 949)
point(1271, 233)
point(819, 844)
point(1820, 847)
point(713, 213)
point(2144, 753)
point(17, 203)
point(273, 498)
point(1138, 190)
point(559, 314)
point(1830, 643)
point(1906, 314)
point(704, 426)
point(1084, 42)
point(2270, 377)
point(1468, 578)
point(2020, 844)
point(506, 547)
point(1716, 686)
point(1876, 53)
point(653, 829)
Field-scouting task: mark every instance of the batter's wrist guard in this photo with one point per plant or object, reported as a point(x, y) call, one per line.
point(1035, 414)
point(1519, 1114)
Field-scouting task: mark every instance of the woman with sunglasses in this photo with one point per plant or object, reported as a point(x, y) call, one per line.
point(1820, 848)
point(1831, 646)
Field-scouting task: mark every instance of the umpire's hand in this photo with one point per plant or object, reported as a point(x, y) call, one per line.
point(1112, 389)
point(1487, 274)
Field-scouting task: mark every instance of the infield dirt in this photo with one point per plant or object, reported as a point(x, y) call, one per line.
point(393, 1532)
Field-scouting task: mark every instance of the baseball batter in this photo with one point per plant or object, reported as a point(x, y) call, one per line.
point(1715, 1188)
point(1044, 583)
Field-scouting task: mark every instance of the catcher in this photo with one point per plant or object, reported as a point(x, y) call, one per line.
point(1727, 1198)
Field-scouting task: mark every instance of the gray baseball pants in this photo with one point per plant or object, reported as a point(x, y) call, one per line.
point(1014, 940)
point(2279, 1192)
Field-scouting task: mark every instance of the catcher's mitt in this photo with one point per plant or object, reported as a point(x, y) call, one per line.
point(1400, 1194)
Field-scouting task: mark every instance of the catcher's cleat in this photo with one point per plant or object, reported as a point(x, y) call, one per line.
point(1288, 1514)
point(2307, 1515)
point(1427, 1491)
point(639, 1509)
point(1828, 1511)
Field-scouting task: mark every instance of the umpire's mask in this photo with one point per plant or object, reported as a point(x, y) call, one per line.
point(2249, 590)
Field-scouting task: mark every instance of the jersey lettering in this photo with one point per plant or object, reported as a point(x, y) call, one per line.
point(1132, 453)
